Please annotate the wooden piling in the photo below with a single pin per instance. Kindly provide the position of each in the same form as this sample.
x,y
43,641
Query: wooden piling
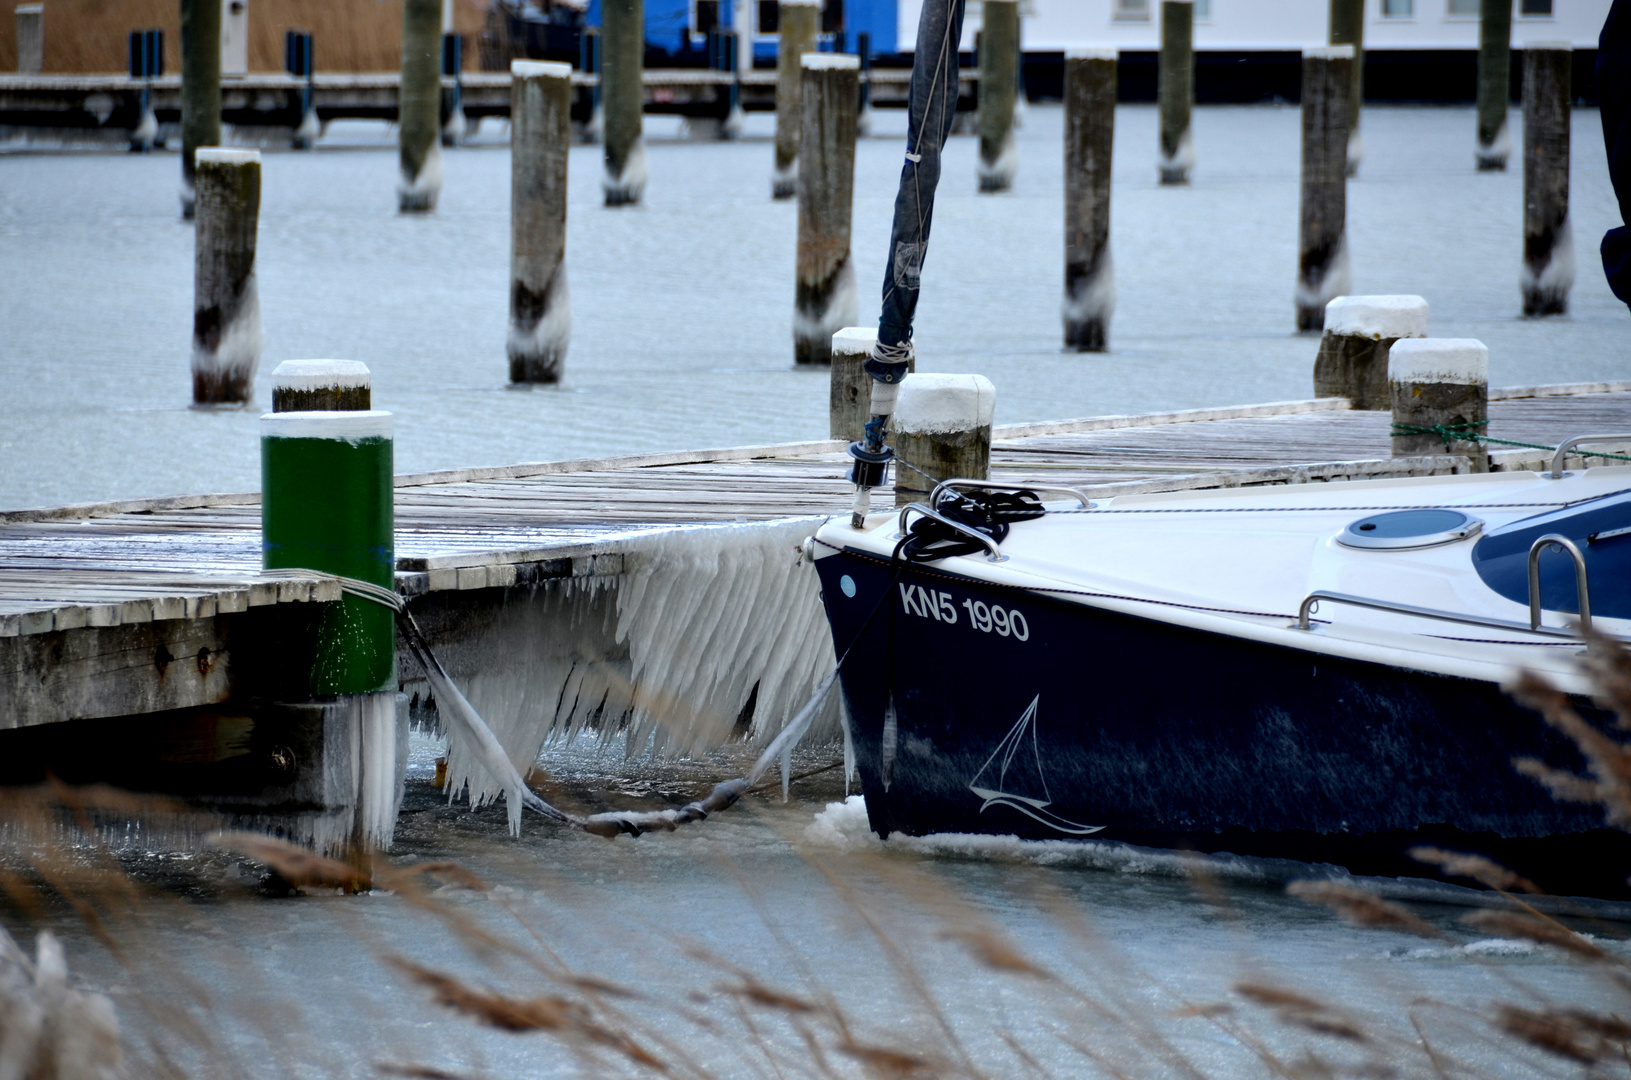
x,y
1322,261
999,87
321,386
419,108
849,396
1176,90
941,431
1347,26
1494,85
1443,384
1359,333
200,88
622,97
1548,239
226,304
30,39
824,300
797,35
1090,122
540,303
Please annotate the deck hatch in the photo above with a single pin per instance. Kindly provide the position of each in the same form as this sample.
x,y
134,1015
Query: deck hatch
x,y
1400,530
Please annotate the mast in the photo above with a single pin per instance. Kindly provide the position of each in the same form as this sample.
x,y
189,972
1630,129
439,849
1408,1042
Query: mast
x,y
931,106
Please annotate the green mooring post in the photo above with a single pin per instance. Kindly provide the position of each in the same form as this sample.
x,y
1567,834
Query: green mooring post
x,y
1494,85
200,87
327,505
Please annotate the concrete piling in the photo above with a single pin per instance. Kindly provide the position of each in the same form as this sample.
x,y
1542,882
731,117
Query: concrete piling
x,y
30,38
1494,84
419,109
1322,261
999,87
1359,333
226,304
1548,239
540,303
799,20
942,431
849,399
1176,90
622,99
321,386
825,300
1439,388
1090,121
200,88
1347,27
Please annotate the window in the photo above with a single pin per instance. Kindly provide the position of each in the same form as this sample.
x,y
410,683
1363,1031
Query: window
x,y
1203,10
1398,9
1130,11
704,17
1535,8
832,17
770,17
1464,9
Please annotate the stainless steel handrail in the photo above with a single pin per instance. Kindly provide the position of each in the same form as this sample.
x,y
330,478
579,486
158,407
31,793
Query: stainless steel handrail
x,y
1306,608
1569,444
994,485
1581,588
994,553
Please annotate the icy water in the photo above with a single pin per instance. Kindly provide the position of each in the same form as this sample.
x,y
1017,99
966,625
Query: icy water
x,y
682,308
783,940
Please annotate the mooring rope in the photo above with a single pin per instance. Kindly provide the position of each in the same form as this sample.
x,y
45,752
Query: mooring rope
x,y
1467,433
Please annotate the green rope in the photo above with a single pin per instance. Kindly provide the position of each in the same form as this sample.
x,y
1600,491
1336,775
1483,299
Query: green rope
x,y
1467,433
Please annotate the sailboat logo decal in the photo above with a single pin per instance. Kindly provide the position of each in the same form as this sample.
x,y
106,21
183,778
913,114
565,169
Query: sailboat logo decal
x,y
1012,777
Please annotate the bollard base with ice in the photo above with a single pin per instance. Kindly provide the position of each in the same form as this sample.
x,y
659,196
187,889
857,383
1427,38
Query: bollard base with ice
x,y
942,431
1440,392
1353,354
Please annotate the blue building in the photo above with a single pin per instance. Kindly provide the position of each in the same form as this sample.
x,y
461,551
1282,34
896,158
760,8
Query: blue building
x,y
678,29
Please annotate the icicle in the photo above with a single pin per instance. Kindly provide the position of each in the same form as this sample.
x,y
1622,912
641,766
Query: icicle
x,y
890,734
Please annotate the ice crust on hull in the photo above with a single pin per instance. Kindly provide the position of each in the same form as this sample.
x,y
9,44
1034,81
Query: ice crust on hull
x,y
702,620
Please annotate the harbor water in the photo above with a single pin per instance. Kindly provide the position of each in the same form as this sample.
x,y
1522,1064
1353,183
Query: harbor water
x,y
682,308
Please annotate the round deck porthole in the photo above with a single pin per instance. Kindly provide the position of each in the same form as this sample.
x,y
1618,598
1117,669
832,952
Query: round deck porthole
x,y
1401,529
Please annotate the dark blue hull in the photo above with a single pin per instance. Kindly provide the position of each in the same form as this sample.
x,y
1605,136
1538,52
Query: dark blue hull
x,y
1078,718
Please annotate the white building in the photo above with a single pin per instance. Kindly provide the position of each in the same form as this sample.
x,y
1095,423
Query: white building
x,y
1278,25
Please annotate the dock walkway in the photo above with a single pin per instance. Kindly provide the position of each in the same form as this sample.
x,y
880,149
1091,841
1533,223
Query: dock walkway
x,y
119,564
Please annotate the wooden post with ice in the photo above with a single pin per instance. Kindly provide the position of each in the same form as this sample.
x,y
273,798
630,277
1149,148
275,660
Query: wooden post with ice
x,y
824,300
850,399
622,99
540,303
1347,27
226,306
1439,387
798,20
200,88
321,386
1090,122
1176,90
1494,85
1548,241
419,107
999,86
30,38
1322,249
327,504
1359,333
942,431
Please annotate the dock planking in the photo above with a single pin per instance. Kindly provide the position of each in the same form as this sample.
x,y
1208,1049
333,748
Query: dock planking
x,y
120,564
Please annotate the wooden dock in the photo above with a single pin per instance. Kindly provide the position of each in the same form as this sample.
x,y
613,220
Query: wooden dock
x,y
126,608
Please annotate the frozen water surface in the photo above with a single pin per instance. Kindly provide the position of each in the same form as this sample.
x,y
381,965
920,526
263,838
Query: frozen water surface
x,y
682,308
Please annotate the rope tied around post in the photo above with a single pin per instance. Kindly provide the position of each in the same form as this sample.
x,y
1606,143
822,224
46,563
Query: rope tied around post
x,y
1468,433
